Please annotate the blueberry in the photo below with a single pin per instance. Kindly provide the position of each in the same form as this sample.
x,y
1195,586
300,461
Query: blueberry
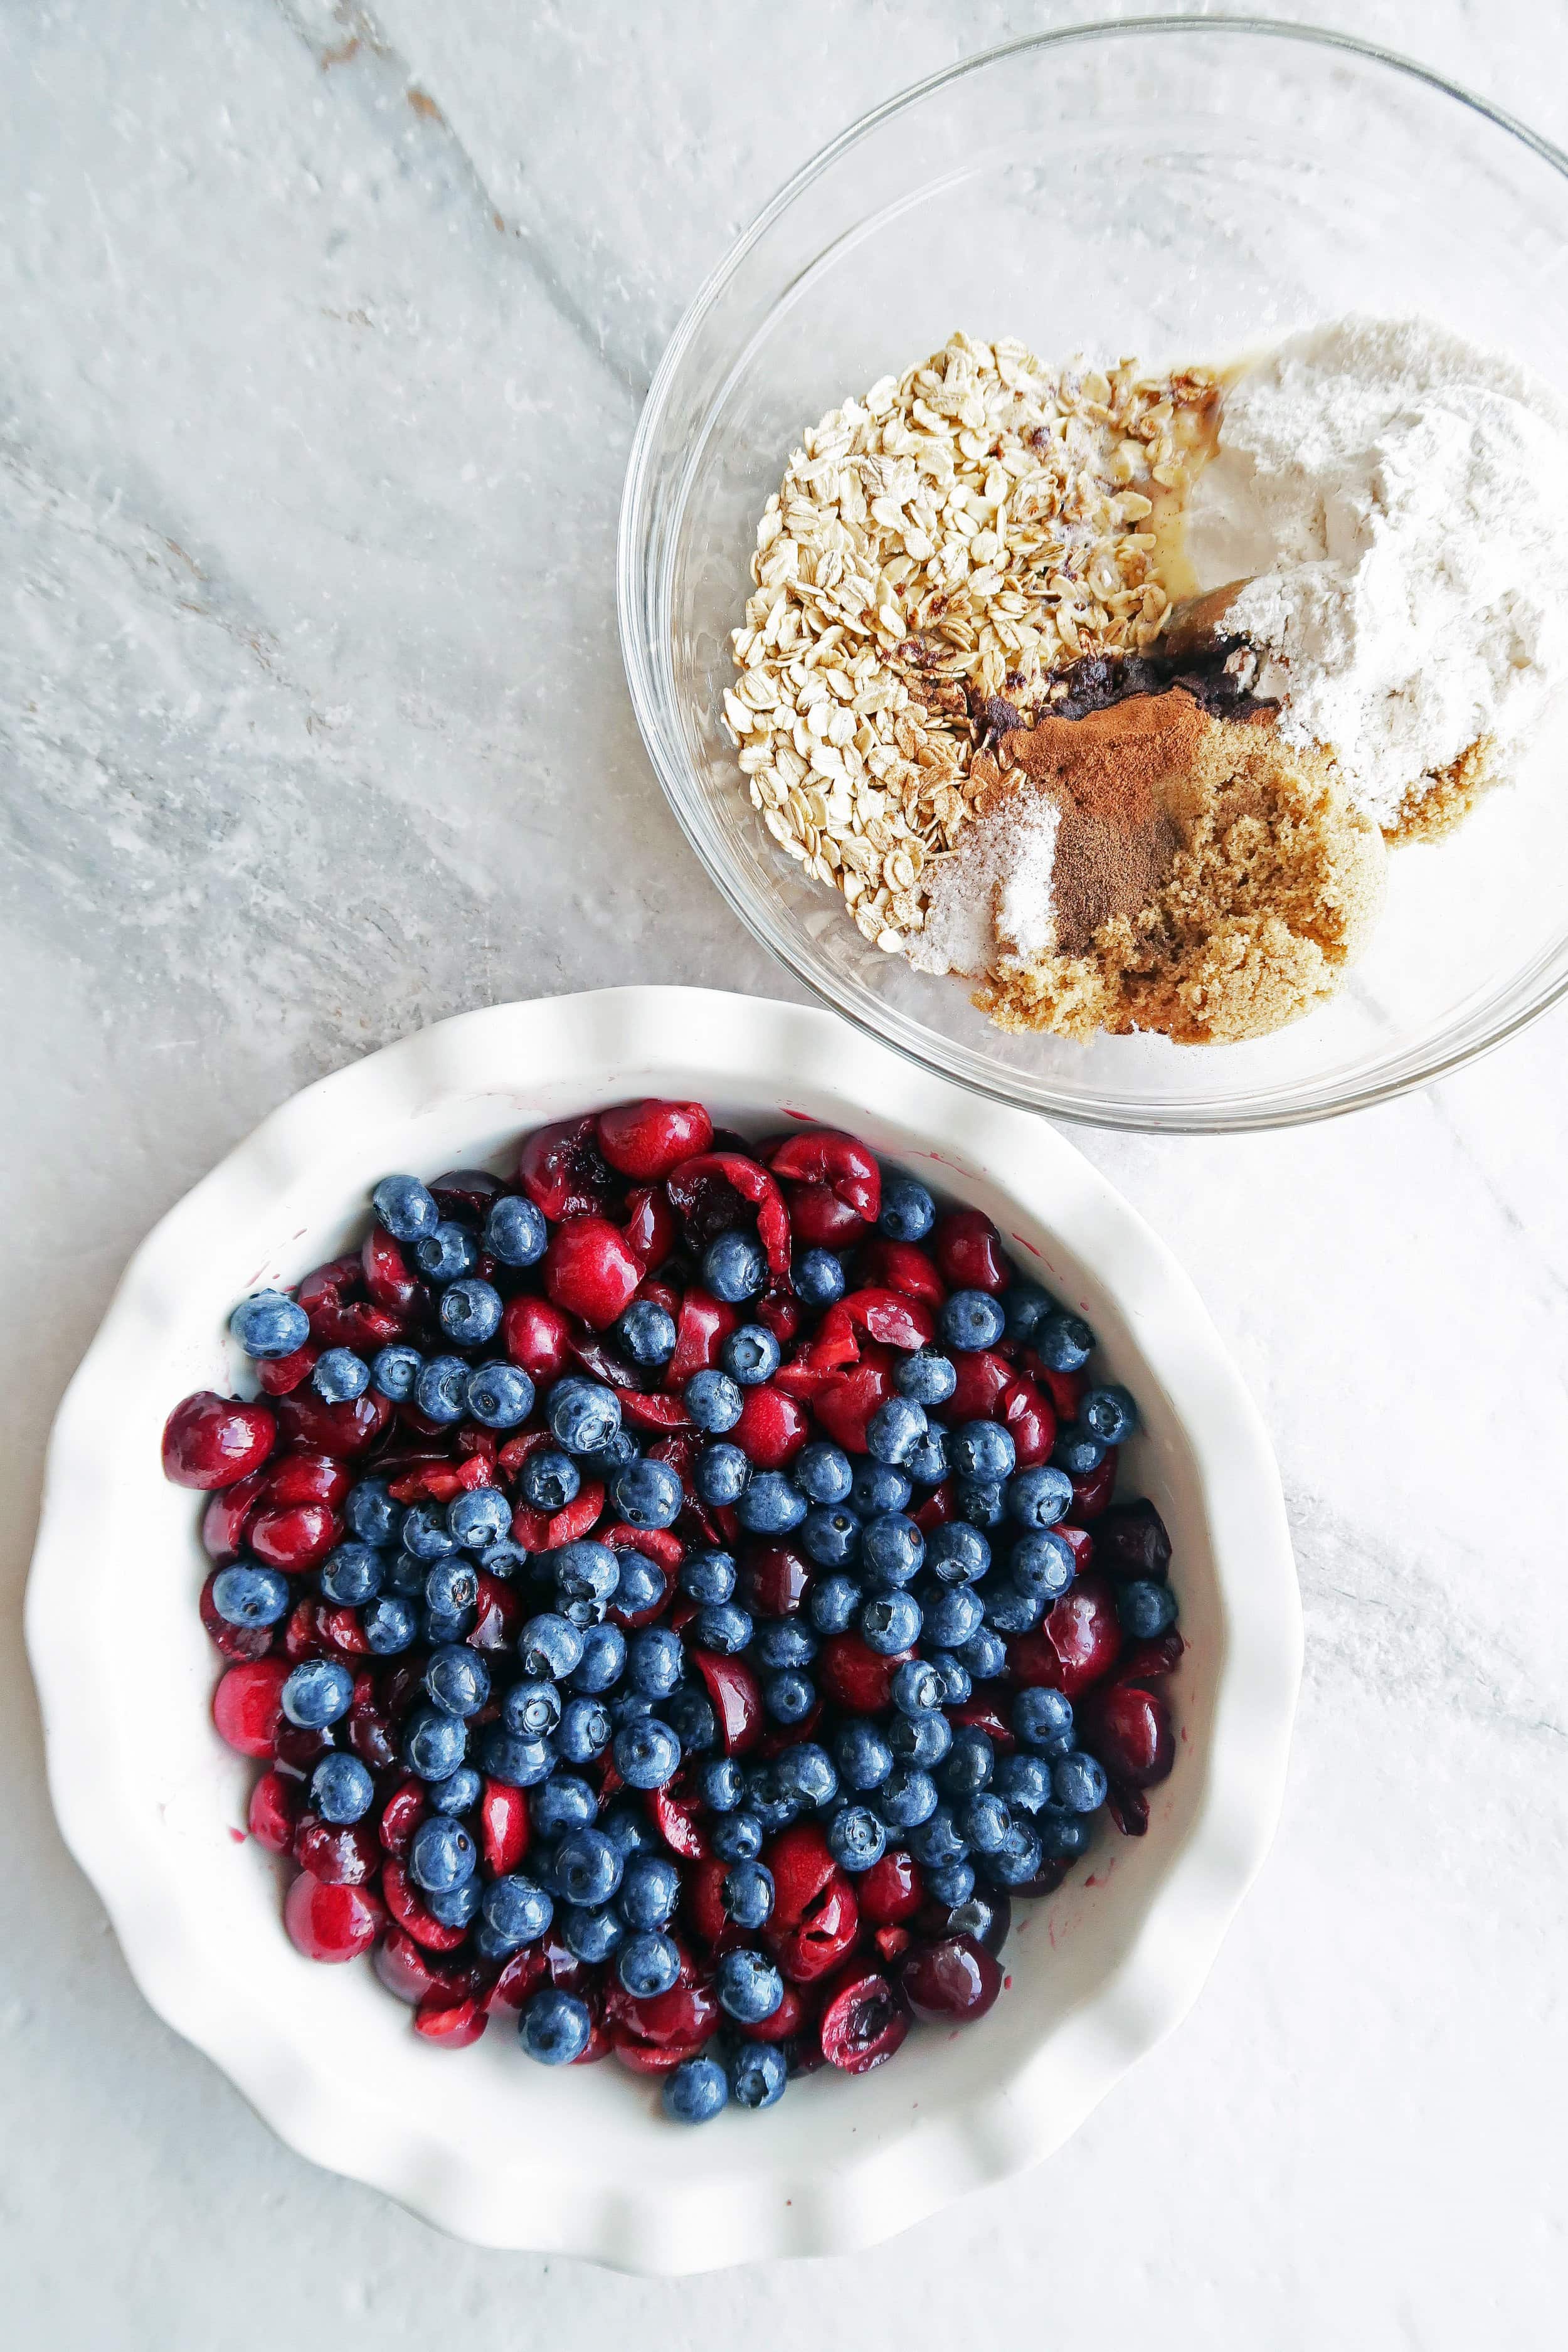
x,y
456,1906
451,1586
642,1585
425,1534
985,1654
515,1232
895,1429
953,1616
1018,1861
824,1472
1078,1782
616,1451
317,1692
441,1390
555,2027
982,1450
434,1742
247,1595
750,1354
748,1894
441,1854
722,1474
649,1890
979,1505
829,1534
936,1842
395,1373
734,1267
1063,1342
531,1708
878,1487
370,1513
957,1553
587,1866
342,1789
517,1909
389,1625
713,1400
1010,1609
1043,1564
928,1378
971,1319
1108,1414
968,1764
647,1754
818,1278
583,1414
1076,1451
1023,1303
890,1621
1044,1719
770,1506
447,1253
1023,1782
522,1763
708,1578
736,1837
1064,1835
907,1797
602,1661
789,1696
865,1758
908,1212
807,1772
550,1480
784,1641
892,1550
590,1931
583,1731
922,1739
655,1661
584,1571
917,1685
499,1396
758,2074
856,1838
459,1793
749,1987
440,1628
956,1683
470,1312
339,1375
1146,1609
268,1324
833,1603
548,1647
726,1627
951,1885
928,1466
984,1823
694,2091
565,1803
404,1207
403,1575
721,1784
646,1333
647,1495
647,1964
479,1518
628,1829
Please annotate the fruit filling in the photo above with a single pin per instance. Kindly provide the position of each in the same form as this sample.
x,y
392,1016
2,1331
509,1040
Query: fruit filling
x,y
679,1598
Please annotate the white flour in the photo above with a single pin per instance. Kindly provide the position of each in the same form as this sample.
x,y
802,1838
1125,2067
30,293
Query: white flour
x,y
992,899
1401,497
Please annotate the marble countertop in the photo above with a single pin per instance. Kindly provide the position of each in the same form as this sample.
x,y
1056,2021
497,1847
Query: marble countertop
x,y
325,334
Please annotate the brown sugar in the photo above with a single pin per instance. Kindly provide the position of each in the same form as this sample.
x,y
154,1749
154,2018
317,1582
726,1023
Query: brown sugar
x,y
1441,801
1270,887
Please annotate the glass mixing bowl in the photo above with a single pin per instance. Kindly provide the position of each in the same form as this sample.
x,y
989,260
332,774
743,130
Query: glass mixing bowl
x,y
1184,190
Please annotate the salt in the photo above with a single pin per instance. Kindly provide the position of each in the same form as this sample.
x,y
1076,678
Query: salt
x,y
991,901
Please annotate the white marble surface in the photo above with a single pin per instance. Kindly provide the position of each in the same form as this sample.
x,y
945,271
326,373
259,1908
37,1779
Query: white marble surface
x,y
316,395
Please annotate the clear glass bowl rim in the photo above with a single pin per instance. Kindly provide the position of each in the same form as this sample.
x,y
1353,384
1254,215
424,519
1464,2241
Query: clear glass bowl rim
x,y
640,660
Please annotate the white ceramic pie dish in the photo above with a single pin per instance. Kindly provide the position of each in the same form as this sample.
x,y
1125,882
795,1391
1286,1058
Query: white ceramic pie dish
x,y
483,2143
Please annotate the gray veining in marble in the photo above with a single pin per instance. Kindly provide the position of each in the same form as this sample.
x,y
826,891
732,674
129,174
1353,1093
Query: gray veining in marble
x,y
324,334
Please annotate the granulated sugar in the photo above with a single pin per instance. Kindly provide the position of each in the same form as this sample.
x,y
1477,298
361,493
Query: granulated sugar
x,y
991,900
1397,495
